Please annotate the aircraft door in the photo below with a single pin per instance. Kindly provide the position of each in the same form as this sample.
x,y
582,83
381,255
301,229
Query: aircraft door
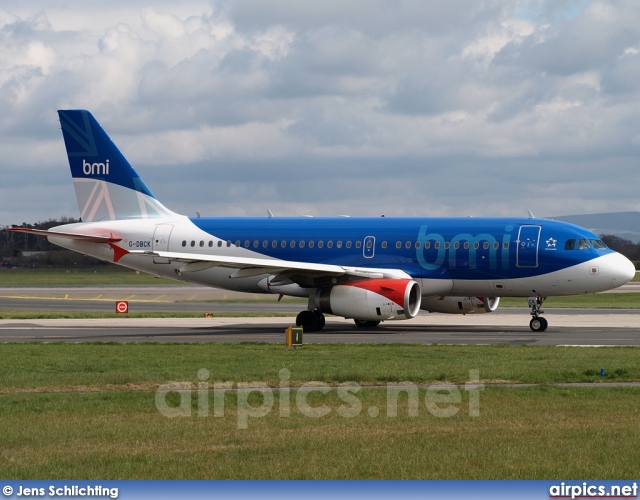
x,y
160,242
527,251
369,247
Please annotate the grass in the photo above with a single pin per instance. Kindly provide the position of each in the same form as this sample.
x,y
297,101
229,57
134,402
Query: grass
x,y
596,301
68,314
56,366
107,276
89,411
526,433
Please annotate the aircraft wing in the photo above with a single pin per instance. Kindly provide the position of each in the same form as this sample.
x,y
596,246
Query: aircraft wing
x,y
91,238
251,266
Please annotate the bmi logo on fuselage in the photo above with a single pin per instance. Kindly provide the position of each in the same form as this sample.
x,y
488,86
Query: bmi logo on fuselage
x,y
95,168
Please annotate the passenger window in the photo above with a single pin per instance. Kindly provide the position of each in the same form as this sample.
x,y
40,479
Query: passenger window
x,y
583,244
436,245
338,244
184,243
193,243
201,243
398,244
485,245
292,244
506,245
384,244
238,243
466,245
219,243
283,244
329,244
417,244
256,244
358,244
407,244
229,243
427,244
446,244
348,244
456,245
320,244
211,243
246,243
311,244
301,244
265,244
274,244
496,245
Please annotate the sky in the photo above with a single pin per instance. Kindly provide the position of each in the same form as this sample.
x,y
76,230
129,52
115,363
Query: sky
x,y
365,107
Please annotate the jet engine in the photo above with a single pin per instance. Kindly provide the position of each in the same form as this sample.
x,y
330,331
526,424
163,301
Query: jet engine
x,y
372,300
460,305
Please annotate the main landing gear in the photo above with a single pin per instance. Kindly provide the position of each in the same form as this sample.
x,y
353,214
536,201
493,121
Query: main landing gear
x,y
537,323
310,321
313,321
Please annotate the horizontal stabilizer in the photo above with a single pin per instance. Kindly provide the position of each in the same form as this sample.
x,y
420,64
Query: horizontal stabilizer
x,y
91,238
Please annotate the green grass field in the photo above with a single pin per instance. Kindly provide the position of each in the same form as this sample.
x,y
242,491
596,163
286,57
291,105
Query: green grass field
x,y
525,433
103,276
36,366
90,411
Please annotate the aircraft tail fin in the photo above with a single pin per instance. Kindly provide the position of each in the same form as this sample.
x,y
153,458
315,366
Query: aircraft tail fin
x,y
107,186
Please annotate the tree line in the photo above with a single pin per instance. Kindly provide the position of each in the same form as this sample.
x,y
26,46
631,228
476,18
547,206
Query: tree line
x,y
13,244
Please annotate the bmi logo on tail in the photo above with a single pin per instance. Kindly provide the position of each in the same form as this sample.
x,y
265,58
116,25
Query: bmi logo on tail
x,y
95,168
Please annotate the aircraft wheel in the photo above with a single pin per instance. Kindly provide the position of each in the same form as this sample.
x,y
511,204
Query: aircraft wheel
x,y
545,324
309,321
538,324
321,319
366,324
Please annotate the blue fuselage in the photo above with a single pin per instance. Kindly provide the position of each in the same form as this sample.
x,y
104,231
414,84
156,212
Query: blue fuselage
x,y
461,248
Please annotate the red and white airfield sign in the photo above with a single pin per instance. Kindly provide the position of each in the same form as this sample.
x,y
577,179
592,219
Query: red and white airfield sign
x,y
122,307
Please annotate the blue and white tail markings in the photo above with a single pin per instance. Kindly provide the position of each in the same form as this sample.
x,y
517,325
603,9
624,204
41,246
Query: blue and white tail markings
x,y
107,186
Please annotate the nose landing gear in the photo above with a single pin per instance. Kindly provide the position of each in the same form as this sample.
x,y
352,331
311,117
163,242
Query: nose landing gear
x,y
537,323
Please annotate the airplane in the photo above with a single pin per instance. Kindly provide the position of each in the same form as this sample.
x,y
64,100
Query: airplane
x,y
369,269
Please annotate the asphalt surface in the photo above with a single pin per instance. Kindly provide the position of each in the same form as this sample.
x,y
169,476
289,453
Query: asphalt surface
x,y
505,326
510,328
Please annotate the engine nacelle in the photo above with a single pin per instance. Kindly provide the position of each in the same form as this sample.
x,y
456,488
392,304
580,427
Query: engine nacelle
x,y
372,300
460,305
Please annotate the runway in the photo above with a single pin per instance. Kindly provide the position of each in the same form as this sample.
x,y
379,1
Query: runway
x,y
605,329
505,326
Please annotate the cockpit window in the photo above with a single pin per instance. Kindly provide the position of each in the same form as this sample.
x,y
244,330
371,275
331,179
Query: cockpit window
x,y
598,244
570,245
583,244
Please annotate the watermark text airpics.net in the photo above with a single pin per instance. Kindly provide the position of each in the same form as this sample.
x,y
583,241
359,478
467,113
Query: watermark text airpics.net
x,y
257,399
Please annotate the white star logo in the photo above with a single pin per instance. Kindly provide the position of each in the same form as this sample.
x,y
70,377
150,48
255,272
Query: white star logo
x,y
551,243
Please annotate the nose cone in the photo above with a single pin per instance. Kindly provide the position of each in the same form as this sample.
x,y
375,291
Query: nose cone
x,y
620,269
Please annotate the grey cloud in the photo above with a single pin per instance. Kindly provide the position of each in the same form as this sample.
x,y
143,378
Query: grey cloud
x,y
339,107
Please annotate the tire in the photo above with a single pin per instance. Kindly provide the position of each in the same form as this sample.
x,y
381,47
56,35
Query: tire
x,y
309,321
538,324
363,323
321,319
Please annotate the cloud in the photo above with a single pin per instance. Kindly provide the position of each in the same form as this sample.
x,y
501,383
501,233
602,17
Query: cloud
x,y
408,108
